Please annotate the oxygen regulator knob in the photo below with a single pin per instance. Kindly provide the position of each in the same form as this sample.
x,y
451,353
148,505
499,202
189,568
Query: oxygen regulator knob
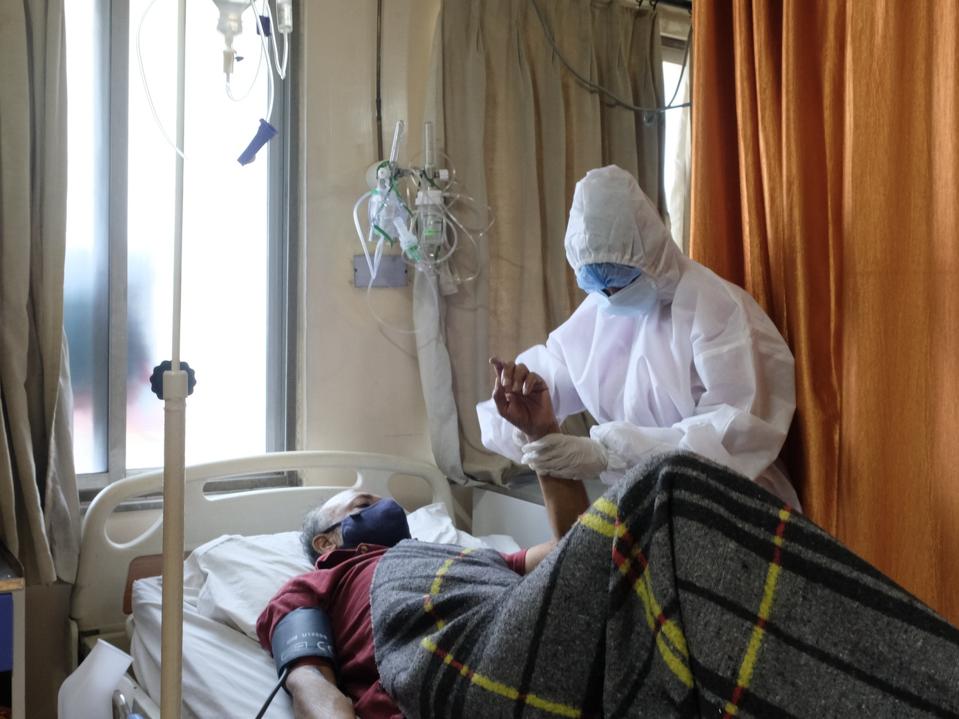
x,y
156,379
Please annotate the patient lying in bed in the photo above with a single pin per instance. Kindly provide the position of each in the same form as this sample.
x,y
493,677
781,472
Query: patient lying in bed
x,y
685,591
346,538
345,560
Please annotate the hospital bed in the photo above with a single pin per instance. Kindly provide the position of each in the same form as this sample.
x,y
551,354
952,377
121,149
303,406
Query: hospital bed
x,y
241,546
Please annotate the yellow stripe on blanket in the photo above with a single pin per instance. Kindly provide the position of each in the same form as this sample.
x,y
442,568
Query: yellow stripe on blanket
x,y
428,605
759,629
669,630
644,589
503,690
606,507
602,526
441,572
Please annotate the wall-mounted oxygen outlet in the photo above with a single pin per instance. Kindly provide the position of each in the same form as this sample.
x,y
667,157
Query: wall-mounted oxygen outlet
x,y
392,272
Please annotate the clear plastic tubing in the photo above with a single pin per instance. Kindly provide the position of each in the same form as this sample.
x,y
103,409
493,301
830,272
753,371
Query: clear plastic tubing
x,y
429,151
395,148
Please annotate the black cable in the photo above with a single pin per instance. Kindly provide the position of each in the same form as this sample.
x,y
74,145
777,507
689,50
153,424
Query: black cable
x,y
682,70
269,699
593,87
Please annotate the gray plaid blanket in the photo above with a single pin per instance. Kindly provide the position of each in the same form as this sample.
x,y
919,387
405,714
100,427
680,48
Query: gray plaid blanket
x,y
685,591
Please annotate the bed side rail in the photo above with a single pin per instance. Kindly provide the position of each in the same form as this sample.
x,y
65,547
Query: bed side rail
x,y
96,603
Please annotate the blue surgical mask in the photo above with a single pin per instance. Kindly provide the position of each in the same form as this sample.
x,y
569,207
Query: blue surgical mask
x,y
383,523
599,276
636,300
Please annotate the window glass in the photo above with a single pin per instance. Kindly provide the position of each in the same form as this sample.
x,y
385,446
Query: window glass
x,y
85,285
676,149
225,237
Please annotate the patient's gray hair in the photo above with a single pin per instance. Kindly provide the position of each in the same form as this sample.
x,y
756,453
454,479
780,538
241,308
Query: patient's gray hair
x,y
317,521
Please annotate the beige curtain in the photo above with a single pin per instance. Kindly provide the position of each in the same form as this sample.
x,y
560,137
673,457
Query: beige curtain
x,y
825,181
520,131
39,507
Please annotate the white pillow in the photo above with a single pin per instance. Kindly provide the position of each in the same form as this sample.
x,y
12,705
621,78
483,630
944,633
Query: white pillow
x,y
234,577
238,575
433,523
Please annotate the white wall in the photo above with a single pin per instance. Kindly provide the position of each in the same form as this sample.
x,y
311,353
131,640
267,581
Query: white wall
x,y
360,383
495,513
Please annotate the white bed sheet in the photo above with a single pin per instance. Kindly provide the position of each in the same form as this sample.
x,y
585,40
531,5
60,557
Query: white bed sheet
x,y
227,583
225,672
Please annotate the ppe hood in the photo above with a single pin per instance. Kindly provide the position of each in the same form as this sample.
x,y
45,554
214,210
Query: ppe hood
x,y
612,220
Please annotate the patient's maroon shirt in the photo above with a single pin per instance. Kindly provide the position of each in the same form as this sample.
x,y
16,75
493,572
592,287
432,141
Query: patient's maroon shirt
x,y
340,585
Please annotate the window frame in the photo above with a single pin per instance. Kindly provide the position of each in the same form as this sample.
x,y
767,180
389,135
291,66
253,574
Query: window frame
x,y
111,97
674,24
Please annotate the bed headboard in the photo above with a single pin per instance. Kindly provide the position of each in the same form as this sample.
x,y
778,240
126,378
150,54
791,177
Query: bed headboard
x,y
96,604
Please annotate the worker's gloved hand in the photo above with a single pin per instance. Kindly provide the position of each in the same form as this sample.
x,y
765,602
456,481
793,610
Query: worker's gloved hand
x,y
520,438
566,456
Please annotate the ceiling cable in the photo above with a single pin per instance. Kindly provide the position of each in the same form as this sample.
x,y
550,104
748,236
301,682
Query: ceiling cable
x,y
614,99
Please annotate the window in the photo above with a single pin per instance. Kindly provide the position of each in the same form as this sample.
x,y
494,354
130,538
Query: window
x,y
676,149
120,218
674,26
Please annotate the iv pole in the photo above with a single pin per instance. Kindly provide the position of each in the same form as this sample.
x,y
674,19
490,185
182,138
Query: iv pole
x,y
174,430
175,390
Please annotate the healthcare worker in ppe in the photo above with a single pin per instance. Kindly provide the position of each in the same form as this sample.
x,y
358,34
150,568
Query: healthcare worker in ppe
x,y
663,353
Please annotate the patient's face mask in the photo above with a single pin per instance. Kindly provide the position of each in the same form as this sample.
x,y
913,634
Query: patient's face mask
x,y
383,523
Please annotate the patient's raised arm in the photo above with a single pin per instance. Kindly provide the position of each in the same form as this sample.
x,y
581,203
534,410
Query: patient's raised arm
x,y
522,398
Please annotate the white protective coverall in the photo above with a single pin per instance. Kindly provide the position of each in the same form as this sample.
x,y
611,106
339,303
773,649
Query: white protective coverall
x,y
701,368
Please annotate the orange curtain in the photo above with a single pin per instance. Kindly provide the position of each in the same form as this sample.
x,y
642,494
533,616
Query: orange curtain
x,y
826,182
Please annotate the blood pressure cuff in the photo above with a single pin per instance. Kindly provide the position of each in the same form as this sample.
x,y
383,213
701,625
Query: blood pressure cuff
x,y
304,632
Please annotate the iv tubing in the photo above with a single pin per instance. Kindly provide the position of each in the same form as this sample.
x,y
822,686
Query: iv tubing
x,y
146,85
268,12
428,149
174,430
359,232
256,76
395,147
265,47
280,66
400,330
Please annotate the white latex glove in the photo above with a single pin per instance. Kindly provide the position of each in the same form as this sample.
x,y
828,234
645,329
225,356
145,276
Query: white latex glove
x,y
520,438
566,456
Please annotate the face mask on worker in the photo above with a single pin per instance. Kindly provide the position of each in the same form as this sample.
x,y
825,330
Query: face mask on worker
x,y
602,276
383,523
632,297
